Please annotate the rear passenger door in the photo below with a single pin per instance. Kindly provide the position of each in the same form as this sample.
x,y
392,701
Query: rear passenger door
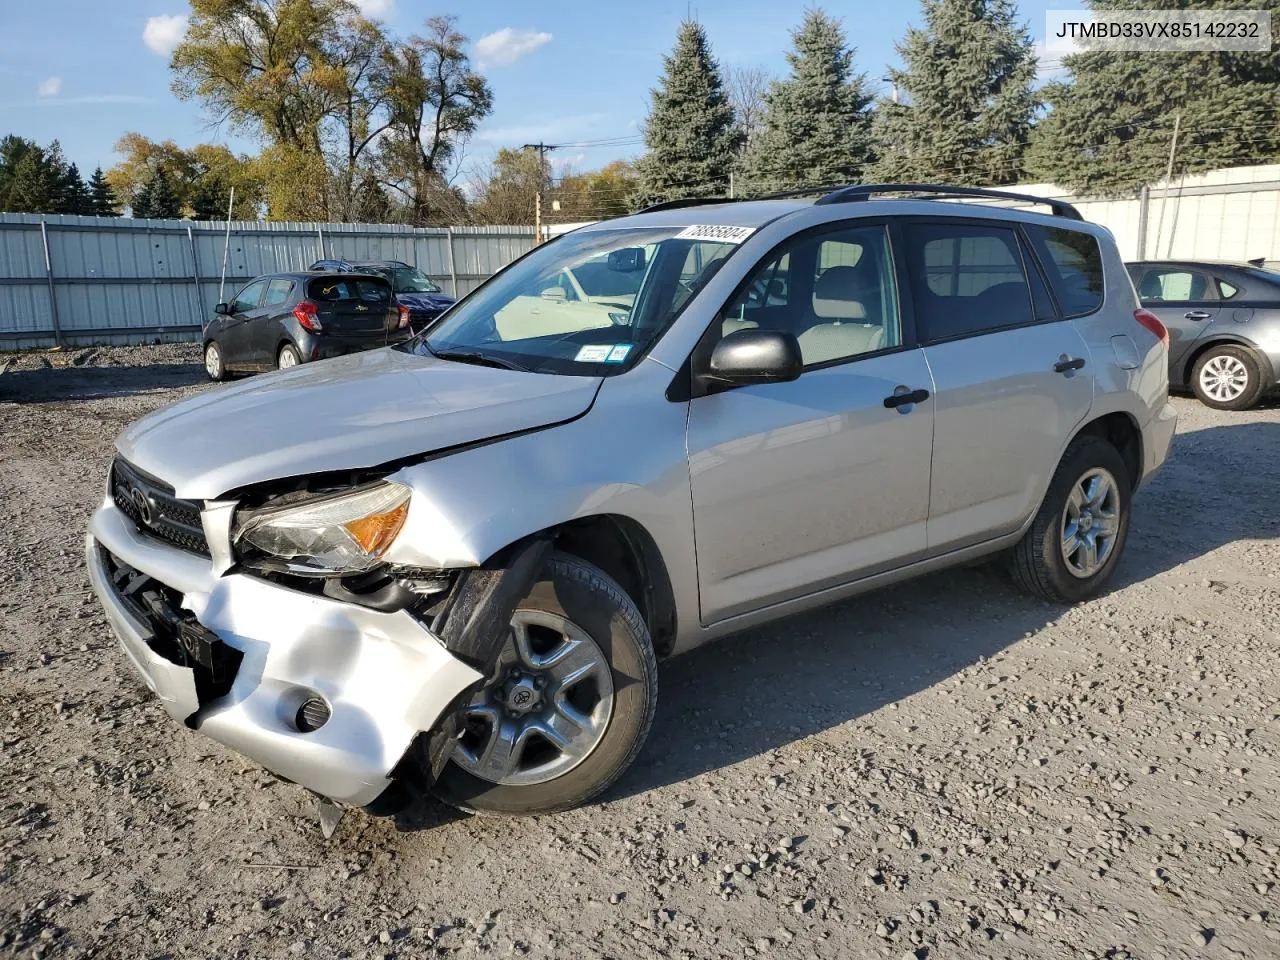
x,y
804,485
1186,302
1012,380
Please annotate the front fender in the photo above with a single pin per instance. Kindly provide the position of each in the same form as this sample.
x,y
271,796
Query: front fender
x,y
625,457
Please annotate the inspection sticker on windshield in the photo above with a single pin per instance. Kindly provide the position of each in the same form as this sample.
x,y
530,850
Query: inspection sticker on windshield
x,y
594,353
618,353
716,233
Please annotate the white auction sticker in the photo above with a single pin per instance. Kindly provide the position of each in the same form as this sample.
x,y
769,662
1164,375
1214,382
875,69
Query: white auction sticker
x,y
715,233
594,353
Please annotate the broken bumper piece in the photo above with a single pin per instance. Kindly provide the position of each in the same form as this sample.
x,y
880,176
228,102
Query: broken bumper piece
x,y
327,694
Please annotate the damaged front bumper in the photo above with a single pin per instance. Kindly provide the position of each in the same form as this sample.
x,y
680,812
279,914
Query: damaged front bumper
x,y
254,665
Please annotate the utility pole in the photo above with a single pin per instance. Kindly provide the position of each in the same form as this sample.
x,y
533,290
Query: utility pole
x,y
1168,178
542,149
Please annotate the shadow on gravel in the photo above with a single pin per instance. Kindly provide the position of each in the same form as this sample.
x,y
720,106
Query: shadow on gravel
x,y
760,690
60,384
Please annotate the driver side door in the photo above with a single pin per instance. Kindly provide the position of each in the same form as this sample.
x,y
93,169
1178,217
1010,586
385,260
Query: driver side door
x,y
806,485
236,325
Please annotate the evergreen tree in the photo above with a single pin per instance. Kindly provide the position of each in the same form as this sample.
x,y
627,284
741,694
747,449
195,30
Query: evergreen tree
x,y
102,199
969,102
157,198
72,194
210,198
817,122
33,184
1110,129
690,132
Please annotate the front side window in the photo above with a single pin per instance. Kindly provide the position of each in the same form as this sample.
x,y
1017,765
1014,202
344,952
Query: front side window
x,y
966,279
531,317
1173,283
1074,264
833,291
247,299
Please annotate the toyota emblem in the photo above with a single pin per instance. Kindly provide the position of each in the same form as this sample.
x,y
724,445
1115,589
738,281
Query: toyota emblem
x,y
144,506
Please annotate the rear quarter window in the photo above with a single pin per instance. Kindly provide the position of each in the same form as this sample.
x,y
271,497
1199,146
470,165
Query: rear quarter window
x,y
336,289
1074,264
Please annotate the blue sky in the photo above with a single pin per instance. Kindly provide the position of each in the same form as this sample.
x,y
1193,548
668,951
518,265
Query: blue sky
x,y
567,71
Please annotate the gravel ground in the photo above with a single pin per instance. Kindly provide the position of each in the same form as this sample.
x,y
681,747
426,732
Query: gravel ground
x,y
943,769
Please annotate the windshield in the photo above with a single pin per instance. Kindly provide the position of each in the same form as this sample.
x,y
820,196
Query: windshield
x,y
540,315
407,279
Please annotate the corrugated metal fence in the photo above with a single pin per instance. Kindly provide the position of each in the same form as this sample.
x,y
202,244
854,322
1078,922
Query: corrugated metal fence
x,y
81,280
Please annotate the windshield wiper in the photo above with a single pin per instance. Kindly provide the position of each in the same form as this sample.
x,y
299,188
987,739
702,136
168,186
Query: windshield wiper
x,y
479,359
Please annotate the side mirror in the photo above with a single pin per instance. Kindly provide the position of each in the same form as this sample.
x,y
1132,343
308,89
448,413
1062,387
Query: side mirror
x,y
222,308
553,293
627,259
754,356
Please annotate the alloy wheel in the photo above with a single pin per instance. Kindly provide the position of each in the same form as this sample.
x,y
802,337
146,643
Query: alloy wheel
x,y
1090,522
1224,378
213,362
545,707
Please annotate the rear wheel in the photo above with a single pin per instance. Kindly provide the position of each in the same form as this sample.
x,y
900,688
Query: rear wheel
x,y
214,365
1227,377
567,706
288,357
1077,535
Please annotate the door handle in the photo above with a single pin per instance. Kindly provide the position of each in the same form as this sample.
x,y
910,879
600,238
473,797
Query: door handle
x,y
1197,315
1067,364
903,396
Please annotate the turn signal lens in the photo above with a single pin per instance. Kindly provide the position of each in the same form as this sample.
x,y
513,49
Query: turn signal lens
x,y
404,316
375,532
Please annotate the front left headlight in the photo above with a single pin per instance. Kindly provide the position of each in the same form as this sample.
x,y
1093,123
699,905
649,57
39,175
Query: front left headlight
x,y
341,534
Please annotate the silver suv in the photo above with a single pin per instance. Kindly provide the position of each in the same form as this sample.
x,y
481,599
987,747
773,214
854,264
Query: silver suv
x,y
453,564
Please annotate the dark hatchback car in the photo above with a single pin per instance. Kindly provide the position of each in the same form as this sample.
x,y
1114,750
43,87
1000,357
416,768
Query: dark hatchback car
x,y
1224,326
413,288
284,319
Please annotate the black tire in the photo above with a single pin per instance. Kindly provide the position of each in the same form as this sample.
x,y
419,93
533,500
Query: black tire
x,y
589,598
1036,563
1254,386
215,364
288,350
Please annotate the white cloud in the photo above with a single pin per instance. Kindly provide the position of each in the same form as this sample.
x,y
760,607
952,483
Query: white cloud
x,y
163,33
508,45
50,88
376,9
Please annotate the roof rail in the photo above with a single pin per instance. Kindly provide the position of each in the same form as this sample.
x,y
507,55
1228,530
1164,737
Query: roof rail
x,y
685,202
864,191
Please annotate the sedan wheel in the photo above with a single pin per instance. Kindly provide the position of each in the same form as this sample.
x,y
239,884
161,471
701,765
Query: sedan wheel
x,y
1227,377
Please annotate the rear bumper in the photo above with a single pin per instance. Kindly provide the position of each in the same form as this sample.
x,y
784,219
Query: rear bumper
x,y
383,676
326,346
1157,438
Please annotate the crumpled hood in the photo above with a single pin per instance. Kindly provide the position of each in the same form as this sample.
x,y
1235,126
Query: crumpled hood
x,y
424,301
349,413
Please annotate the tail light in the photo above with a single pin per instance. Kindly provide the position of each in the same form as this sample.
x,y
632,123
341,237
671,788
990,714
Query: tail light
x,y
1152,323
305,312
404,317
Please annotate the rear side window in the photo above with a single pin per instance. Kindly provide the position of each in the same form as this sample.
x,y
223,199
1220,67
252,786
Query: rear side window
x,y
1074,262
1173,283
336,289
277,292
966,279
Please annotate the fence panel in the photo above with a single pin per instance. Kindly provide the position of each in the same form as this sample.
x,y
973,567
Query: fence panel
x,y
130,281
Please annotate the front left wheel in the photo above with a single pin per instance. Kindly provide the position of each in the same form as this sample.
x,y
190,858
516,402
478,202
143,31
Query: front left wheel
x,y
566,708
214,364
